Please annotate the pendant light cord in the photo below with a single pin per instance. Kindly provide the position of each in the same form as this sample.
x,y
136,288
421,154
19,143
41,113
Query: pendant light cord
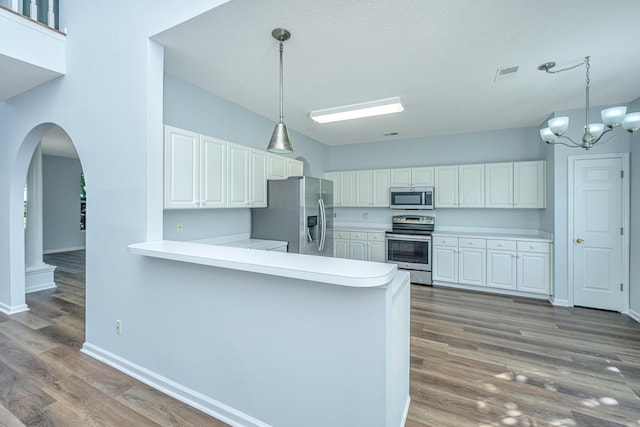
x,y
586,111
281,83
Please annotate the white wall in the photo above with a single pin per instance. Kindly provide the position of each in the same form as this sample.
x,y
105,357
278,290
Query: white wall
x,y
61,204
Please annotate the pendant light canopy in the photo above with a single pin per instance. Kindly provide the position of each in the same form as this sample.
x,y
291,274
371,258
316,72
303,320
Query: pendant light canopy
x,y
280,139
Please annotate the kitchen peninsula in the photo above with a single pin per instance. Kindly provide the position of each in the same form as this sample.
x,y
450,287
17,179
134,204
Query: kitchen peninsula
x,y
296,339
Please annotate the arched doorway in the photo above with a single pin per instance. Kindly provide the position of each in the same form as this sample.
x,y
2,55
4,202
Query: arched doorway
x,y
55,213
53,139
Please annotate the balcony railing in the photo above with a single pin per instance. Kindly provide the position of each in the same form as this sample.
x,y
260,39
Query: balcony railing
x,y
43,11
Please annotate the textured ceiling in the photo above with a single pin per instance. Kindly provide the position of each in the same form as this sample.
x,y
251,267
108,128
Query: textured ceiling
x,y
440,56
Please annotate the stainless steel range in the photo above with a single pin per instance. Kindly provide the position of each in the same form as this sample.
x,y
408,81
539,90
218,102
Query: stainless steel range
x,y
408,244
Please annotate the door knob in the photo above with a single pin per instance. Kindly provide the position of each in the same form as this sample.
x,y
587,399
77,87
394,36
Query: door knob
x,y
579,240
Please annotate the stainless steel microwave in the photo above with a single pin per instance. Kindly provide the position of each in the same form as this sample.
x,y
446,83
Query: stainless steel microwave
x,y
411,197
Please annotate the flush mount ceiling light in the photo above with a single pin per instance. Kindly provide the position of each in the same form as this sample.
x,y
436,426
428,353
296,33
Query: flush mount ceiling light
x,y
593,132
357,111
280,139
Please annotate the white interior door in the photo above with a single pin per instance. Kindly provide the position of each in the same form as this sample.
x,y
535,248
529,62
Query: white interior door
x,y
598,267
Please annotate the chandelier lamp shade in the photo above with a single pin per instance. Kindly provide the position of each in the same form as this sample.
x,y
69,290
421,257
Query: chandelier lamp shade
x,y
612,118
280,142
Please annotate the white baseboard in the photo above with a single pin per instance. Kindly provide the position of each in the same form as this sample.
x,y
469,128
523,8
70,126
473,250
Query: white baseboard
x,y
55,251
634,315
40,287
560,302
406,411
39,277
9,310
192,398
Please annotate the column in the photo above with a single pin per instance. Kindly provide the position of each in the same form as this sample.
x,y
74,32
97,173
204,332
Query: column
x,y
39,276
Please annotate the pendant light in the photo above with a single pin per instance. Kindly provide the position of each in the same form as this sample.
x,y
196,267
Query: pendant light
x,y
280,139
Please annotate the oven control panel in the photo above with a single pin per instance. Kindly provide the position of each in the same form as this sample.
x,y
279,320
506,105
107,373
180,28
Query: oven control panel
x,y
413,219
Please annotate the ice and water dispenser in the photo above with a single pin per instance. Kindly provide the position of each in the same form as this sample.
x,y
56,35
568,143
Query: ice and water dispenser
x,y
312,228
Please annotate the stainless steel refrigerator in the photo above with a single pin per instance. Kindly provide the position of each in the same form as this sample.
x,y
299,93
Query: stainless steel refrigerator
x,y
300,211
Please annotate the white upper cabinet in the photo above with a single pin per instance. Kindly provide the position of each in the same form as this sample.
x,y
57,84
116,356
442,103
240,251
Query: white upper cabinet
x,y
276,166
280,167
380,190
238,176
471,186
335,178
294,167
195,170
257,178
412,177
213,167
446,186
401,177
498,185
491,185
422,177
347,188
247,177
364,187
182,169
529,184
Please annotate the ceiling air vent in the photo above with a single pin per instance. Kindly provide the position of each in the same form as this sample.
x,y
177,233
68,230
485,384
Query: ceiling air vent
x,y
505,71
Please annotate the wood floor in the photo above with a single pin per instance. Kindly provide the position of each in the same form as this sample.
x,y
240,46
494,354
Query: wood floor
x,y
476,360
486,360
46,381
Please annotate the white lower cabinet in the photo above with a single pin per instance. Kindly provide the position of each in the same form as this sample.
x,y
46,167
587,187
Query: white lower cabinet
x,y
472,255
459,260
341,244
533,267
511,265
360,245
445,259
501,264
358,249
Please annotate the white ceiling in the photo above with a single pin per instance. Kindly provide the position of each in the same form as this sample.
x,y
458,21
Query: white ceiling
x,y
440,56
17,77
56,142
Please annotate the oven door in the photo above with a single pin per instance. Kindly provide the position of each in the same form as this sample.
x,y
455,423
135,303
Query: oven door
x,y
409,251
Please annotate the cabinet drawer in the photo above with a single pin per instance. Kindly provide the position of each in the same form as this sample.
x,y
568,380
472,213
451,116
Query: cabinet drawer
x,y
539,247
376,237
445,241
337,234
465,242
502,245
358,235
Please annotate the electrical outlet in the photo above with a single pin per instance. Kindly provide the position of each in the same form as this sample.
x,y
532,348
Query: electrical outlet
x,y
365,215
118,327
179,227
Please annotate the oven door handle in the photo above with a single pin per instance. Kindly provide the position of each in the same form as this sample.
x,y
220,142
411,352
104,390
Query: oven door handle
x,y
414,237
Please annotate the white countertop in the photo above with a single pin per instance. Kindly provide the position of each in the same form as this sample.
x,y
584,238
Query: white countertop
x,y
336,271
501,235
372,228
243,241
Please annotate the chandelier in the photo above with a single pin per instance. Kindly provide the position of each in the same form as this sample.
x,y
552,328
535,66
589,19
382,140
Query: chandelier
x,y
593,132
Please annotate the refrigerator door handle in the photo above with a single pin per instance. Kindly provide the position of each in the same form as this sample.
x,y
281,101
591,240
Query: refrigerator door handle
x,y
323,225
